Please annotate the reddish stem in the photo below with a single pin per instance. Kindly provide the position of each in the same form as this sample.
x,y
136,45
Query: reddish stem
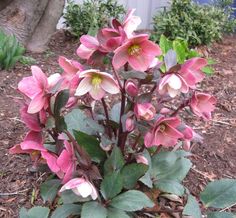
x,y
107,118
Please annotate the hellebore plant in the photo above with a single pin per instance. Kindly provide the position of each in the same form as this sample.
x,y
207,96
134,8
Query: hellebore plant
x,y
109,132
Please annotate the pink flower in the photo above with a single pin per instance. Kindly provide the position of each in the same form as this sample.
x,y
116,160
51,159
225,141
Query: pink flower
x,y
89,46
32,144
110,39
145,111
70,67
81,187
131,23
191,71
51,160
163,133
37,87
138,51
96,83
203,104
141,159
66,161
131,88
32,121
172,84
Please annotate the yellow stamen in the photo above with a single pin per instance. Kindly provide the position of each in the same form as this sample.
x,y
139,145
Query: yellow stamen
x,y
96,80
134,50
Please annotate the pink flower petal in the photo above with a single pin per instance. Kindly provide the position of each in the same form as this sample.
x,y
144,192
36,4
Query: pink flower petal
x,y
37,103
140,63
97,93
121,56
73,183
51,161
89,41
33,141
150,48
31,120
110,86
40,77
29,87
84,87
84,52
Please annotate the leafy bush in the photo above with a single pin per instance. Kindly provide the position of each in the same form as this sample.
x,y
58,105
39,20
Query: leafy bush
x,y
197,24
10,51
91,15
110,160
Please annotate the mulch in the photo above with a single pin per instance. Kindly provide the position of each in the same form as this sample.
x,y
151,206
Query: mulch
x,y
214,158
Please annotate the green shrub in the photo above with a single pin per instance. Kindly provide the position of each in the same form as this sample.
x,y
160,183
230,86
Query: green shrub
x,y
91,15
10,51
197,24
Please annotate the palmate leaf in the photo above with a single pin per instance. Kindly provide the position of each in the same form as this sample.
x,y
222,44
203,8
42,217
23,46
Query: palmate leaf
x,y
66,210
49,189
220,193
93,209
111,185
91,145
131,201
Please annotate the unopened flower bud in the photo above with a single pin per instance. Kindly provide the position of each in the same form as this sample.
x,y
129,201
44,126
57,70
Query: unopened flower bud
x,y
145,111
131,88
141,159
129,124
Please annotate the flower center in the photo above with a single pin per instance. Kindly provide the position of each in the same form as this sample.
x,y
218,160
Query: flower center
x,y
134,50
96,80
162,127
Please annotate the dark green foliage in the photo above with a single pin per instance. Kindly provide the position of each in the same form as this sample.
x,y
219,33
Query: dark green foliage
x,y
197,24
91,15
10,51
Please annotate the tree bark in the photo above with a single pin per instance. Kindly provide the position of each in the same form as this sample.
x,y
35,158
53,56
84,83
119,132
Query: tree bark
x,y
31,21
4,3
46,26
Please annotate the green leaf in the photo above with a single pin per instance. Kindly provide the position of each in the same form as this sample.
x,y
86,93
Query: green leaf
x,y
116,213
111,185
165,44
220,215
66,210
93,208
23,213
208,70
48,190
170,186
115,162
69,197
168,165
60,124
35,212
131,201
180,51
132,173
219,194
146,179
77,120
91,145
60,101
192,208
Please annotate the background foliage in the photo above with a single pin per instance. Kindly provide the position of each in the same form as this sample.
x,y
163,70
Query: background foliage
x,y
197,24
10,51
91,15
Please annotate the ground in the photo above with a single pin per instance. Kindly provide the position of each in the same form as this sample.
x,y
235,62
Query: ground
x,y
215,158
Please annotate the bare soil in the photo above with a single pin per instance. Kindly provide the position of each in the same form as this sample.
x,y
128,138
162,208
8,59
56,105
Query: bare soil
x,y
215,158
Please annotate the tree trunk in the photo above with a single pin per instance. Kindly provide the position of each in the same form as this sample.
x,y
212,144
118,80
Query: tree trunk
x,y
46,27
31,21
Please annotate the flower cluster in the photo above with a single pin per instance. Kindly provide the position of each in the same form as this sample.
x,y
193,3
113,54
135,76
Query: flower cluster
x,y
140,118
